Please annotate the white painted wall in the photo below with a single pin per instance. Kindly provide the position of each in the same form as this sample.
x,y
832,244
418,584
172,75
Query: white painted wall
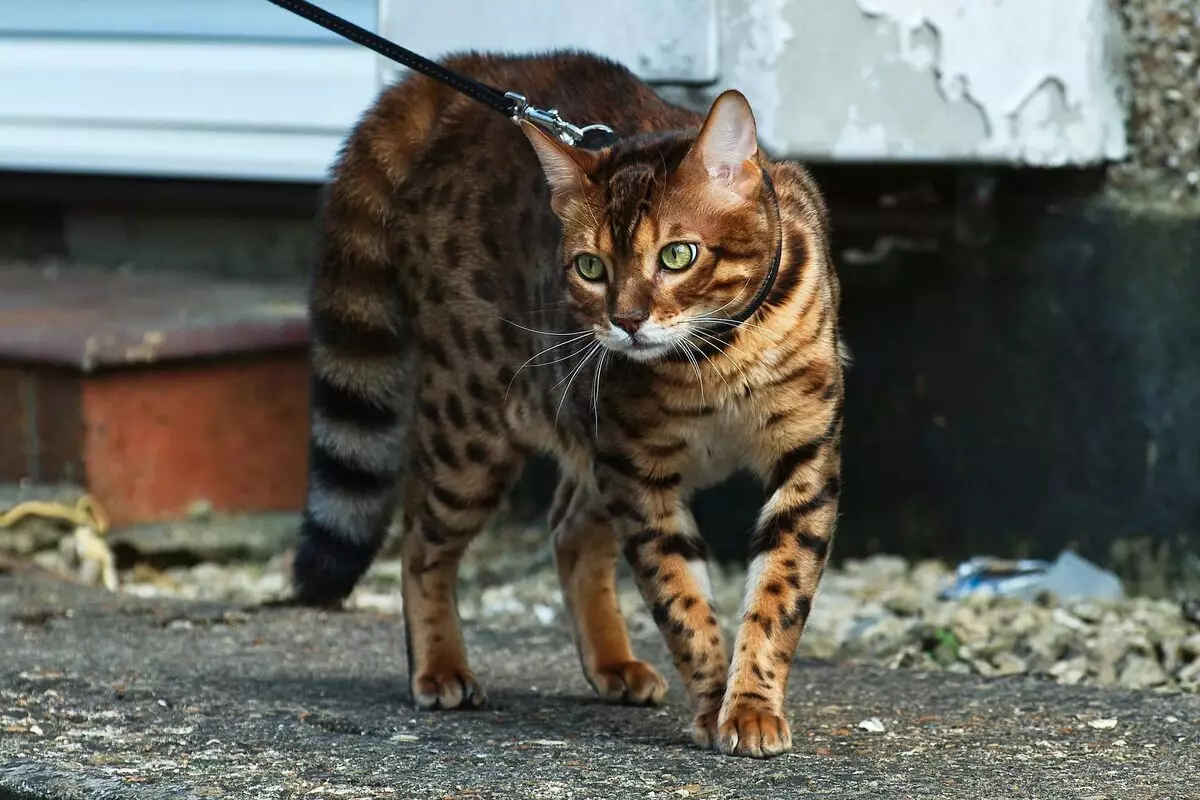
x,y
1033,82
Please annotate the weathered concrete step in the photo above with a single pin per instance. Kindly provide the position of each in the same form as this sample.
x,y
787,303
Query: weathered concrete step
x,y
157,392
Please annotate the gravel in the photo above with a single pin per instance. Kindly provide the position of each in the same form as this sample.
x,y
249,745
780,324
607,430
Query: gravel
x,y
1163,64
882,611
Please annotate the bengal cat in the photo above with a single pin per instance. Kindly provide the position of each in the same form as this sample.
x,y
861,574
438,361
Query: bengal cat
x,y
484,291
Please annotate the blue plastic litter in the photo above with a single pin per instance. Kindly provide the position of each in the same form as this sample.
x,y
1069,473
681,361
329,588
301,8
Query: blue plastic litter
x,y
987,576
1069,576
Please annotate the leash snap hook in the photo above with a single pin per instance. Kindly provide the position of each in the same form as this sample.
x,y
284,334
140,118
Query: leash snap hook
x,y
553,121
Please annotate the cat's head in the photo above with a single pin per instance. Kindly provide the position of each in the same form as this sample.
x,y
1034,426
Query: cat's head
x,y
665,236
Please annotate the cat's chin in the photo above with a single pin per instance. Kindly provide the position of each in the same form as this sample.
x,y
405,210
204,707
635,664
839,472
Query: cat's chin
x,y
641,352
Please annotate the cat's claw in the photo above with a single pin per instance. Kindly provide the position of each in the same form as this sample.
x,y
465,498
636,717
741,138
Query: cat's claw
x,y
448,690
633,683
754,733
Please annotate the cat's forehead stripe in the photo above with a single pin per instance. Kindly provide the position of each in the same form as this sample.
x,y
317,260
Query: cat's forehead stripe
x,y
629,192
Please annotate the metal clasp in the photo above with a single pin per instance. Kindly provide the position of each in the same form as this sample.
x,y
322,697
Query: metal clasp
x,y
551,120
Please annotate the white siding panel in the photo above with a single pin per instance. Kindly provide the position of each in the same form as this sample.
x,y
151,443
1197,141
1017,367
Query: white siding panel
x,y
671,41
236,19
211,85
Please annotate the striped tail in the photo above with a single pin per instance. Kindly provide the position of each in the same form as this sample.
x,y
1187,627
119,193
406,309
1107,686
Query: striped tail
x,y
361,399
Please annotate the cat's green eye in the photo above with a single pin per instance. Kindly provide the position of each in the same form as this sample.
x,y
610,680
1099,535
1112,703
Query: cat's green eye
x,y
678,255
589,266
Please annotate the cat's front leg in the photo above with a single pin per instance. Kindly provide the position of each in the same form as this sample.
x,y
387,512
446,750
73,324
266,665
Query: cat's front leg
x,y
669,562
787,556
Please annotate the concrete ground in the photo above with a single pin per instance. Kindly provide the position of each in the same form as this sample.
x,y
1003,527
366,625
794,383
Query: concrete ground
x,y
106,696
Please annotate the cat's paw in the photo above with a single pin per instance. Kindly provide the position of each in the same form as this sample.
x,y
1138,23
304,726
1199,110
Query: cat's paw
x,y
447,690
754,733
634,683
704,729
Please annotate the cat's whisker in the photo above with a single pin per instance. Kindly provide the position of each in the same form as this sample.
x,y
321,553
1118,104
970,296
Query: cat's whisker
x,y
542,353
695,367
736,297
729,323
721,345
712,363
543,333
596,393
571,378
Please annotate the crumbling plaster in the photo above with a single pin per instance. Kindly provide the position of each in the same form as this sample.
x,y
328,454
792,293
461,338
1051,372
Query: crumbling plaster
x,y
1010,81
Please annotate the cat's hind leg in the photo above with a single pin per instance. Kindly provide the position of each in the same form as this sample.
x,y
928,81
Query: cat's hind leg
x,y
585,553
458,477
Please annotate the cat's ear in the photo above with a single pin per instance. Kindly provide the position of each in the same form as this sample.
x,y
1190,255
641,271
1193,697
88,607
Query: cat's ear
x,y
566,168
727,145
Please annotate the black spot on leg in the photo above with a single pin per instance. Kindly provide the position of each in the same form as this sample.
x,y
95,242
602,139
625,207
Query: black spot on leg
x,y
689,603
476,452
430,412
508,335
799,613
754,697
476,389
436,351
773,588
483,346
459,334
443,451
454,412
691,548
818,545
678,628
483,419
793,460
761,621
484,282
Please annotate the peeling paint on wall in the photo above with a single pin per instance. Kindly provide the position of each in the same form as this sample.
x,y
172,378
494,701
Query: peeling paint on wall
x,y
762,34
1037,70
1034,82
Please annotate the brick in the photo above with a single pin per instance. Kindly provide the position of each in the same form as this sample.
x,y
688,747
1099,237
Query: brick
x,y
233,434
156,392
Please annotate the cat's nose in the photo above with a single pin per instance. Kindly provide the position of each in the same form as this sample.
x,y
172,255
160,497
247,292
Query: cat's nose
x,y
630,321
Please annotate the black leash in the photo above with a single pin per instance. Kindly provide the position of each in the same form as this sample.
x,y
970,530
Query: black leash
x,y
510,104
514,106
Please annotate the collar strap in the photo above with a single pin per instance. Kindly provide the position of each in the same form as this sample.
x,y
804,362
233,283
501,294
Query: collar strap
x,y
768,283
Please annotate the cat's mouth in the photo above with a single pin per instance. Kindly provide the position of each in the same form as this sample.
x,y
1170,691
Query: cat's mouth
x,y
640,351
649,343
